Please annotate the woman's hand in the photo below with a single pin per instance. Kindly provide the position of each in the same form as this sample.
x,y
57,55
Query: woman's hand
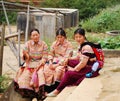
x,y
70,68
50,58
42,62
53,66
66,61
25,56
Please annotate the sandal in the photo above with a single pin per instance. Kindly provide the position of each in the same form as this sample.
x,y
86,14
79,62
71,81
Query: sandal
x,y
51,95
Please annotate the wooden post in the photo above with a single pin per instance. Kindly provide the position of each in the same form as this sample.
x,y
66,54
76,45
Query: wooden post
x,y
2,47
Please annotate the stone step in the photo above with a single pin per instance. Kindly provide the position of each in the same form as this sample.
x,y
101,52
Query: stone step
x,y
11,95
63,95
49,99
87,90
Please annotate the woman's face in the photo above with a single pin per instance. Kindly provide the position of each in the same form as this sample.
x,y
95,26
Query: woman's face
x,y
35,36
60,38
79,38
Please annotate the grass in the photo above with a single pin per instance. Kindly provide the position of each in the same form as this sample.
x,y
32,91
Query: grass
x,y
4,83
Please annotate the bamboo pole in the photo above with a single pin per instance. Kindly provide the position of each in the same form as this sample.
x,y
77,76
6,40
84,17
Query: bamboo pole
x,y
11,43
12,35
11,67
6,17
27,25
19,62
2,47
10,32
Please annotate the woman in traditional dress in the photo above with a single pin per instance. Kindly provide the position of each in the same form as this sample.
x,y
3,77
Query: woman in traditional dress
x,y
77,66
29,79
60,49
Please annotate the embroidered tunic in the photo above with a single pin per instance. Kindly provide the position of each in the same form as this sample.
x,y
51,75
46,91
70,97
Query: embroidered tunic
x,y
23,78
36,52
58,53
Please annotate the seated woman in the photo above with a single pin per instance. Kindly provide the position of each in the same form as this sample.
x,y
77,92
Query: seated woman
x,y
34,54
53,70
77,66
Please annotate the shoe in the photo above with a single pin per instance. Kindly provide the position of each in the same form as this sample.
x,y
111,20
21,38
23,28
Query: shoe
x,y
51,94
88,75
34,99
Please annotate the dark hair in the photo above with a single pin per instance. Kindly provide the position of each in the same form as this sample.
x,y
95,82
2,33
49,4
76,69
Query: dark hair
x,y
80,31
61,32
34,30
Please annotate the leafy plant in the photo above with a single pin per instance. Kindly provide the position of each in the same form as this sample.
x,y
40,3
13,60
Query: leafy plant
x,y
111,42
4,82
108,19
12,16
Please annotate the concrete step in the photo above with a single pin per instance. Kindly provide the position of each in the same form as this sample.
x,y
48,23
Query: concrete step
x,y
88,90
63,95
11,95
49,99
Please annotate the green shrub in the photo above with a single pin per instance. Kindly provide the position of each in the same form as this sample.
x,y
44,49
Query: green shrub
x,y
12,16
4,82
108,19
87,8
111,42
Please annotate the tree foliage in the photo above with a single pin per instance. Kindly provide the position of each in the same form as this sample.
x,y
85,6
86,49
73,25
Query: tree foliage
x,y
108,19
87,8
